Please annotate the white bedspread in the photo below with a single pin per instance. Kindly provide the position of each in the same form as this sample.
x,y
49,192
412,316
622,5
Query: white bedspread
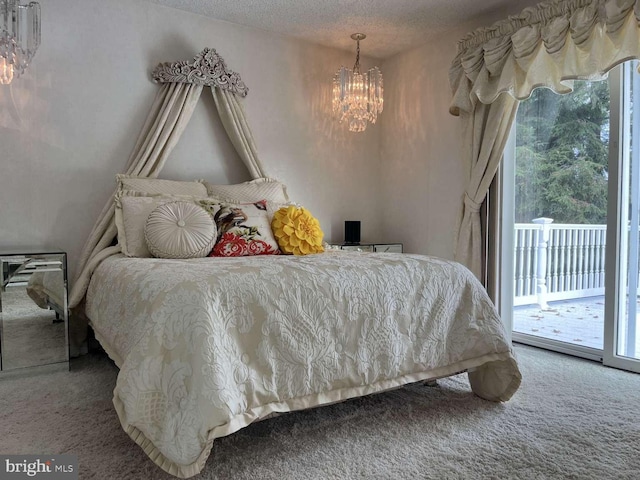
x,y
207,346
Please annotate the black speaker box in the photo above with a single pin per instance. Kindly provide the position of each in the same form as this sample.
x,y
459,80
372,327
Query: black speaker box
x,y
352,232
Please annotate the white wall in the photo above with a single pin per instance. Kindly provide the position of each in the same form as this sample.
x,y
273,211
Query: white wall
x,y
423,176
68,126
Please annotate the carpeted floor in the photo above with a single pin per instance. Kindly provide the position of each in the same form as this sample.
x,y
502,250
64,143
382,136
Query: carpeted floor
x,y
571,419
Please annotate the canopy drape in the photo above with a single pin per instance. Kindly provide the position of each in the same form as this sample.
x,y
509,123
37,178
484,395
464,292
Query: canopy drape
x,y
235,124
548,45
181,87
170,113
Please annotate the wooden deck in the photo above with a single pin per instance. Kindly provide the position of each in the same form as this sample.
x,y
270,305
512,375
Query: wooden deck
x,y
579,321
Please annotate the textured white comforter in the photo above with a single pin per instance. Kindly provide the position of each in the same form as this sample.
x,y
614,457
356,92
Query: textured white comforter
x,y
207,346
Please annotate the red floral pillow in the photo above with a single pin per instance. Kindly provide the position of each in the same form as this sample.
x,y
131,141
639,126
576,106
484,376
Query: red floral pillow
x,y
244,229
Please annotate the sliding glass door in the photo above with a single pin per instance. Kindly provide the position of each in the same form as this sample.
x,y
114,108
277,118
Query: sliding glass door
x,y
622,335
570,221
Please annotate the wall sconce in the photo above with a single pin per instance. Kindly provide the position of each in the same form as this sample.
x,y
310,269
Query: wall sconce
x,y
19,37
357,97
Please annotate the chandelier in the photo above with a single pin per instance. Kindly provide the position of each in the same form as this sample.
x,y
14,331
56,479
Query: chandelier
x,y
357,97
19,37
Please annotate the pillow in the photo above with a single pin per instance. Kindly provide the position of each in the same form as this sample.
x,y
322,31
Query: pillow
x,y
243,229
180,230
297,231
132,211
196,188
250,192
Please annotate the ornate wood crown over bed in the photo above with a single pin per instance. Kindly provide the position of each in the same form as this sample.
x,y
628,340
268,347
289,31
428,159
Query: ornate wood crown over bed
x,y
207,69
207,346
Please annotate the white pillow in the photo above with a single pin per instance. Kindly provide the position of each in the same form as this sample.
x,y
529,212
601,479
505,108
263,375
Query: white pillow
x,y
180,230
248,192
132,211
158,186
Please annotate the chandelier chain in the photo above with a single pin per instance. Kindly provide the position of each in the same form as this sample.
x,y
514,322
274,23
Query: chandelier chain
x,y
356,66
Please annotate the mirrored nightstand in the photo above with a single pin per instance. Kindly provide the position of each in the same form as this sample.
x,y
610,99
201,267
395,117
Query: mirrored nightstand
x,y
33,310
368,247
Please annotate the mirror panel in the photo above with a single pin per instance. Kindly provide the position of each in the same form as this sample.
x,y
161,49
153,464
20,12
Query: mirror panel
x,y
33,310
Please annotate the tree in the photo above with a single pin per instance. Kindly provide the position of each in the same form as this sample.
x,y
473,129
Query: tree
x,y
561,155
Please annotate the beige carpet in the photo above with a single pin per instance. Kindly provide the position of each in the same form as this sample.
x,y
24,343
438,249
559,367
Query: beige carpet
x,y
571,419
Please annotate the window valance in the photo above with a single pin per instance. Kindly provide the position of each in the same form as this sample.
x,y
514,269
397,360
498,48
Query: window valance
x,y
548,45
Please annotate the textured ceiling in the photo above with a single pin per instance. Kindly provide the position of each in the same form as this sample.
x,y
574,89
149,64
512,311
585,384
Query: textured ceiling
x,y
391,26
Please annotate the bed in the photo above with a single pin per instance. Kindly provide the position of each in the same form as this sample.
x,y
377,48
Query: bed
x,y
207,346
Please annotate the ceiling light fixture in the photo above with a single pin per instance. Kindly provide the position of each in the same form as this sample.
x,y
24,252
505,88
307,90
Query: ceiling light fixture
x,y
357,97
19,37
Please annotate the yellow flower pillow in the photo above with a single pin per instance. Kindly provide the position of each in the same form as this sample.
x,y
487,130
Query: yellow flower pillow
x,y
297,231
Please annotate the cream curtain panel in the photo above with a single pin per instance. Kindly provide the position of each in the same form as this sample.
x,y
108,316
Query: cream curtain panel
x,y
235,124
182,84
486,130
548,45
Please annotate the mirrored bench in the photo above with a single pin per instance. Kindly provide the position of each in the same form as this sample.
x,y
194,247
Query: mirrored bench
x,y
34,317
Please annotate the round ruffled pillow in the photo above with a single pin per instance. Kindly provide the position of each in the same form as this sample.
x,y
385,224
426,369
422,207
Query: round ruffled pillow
x,y
297,231
180,230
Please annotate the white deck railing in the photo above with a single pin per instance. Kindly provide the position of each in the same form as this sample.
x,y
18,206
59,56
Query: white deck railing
x,y
558,261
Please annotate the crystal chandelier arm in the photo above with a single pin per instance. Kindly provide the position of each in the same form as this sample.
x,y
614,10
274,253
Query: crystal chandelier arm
x,y
19,37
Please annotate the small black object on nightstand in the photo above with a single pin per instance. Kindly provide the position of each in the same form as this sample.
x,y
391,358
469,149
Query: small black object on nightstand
x,y
352,232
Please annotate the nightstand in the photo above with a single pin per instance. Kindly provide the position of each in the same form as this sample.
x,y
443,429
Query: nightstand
x,y
368,247
34,314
